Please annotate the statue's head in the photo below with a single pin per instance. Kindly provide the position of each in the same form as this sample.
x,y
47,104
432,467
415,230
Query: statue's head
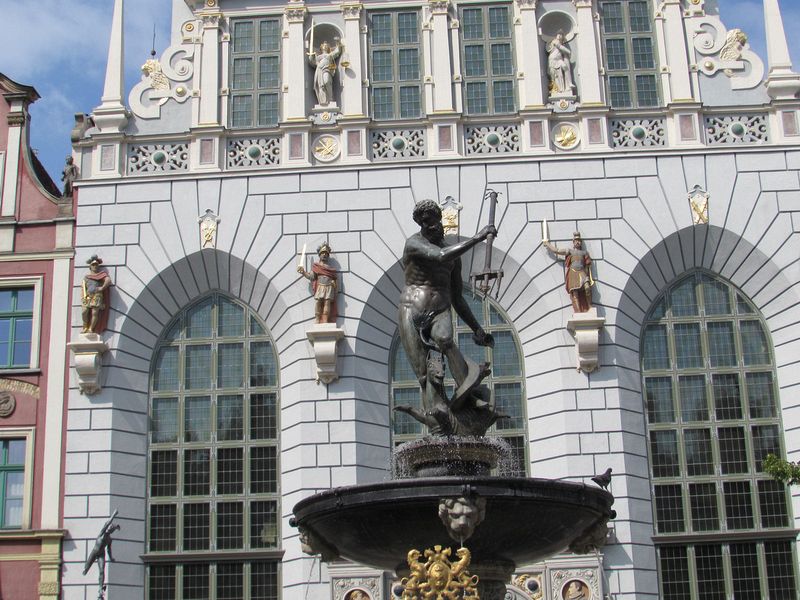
x,y
70,160
324,252
428,215
325,47
577,243
462,515
94,263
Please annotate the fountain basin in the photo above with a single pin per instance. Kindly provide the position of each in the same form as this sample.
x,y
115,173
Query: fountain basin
x,y
527,519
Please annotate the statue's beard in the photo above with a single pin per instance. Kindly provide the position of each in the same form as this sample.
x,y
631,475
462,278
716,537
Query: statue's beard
x,y
435,235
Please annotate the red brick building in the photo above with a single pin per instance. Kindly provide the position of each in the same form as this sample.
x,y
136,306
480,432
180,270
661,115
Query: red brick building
x,y
36,239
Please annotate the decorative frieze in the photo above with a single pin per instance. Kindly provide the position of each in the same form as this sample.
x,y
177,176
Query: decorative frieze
x,y
246,153
391,144
736,129
352,11
492,139
158,158
295,14
638,133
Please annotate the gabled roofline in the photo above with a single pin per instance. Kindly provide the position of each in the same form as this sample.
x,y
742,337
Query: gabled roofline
x,y
13,90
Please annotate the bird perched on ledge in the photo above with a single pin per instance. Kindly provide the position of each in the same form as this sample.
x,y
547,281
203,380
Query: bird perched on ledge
x,y
604,479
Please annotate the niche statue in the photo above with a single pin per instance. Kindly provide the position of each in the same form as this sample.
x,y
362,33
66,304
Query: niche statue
x,y
324,63
559,67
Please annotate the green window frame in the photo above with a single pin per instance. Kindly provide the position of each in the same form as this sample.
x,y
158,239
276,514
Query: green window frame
x,y
16,327
213,519
630,55
255,72
487,59
12,482
506,381
395,65
722,526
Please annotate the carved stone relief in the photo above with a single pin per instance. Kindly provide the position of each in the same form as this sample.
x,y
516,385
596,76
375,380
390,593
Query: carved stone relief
x,y
156,87
726,51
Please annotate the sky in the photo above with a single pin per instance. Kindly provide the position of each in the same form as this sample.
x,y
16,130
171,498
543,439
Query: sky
x,y
60,47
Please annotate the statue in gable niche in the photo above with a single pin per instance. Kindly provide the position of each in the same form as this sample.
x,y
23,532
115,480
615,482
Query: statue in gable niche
x,y
324,63
559,67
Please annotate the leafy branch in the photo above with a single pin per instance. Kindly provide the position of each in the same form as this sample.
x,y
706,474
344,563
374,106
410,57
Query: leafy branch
x,y
782,470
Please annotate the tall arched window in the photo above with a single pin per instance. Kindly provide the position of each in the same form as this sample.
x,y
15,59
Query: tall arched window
x,y
722,526
213,527
507,380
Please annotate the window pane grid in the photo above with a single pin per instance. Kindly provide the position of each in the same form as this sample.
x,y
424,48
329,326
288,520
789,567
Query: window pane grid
x,y
12,482
629,53
255,72
16,327
708,360
211,488
780,573
395,69
488,60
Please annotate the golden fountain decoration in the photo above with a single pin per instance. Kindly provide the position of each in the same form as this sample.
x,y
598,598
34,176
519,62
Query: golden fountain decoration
x,y
439,578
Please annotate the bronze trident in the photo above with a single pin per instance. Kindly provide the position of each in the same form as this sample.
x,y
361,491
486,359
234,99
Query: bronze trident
x,y
488,280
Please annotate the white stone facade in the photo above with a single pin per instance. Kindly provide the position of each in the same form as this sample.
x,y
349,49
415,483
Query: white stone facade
x,y
628,196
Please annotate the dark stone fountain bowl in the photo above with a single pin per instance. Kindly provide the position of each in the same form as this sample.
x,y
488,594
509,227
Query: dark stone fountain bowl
x,y
526,520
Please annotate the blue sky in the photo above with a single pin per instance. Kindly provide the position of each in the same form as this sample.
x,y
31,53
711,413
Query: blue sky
x,y
60,47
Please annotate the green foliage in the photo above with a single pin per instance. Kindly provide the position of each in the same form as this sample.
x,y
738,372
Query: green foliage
x,y
782,470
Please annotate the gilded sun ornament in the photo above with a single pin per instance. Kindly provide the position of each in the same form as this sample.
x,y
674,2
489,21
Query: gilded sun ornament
x,y
566,137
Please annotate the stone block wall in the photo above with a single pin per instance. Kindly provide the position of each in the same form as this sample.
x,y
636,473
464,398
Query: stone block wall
x,y
633,212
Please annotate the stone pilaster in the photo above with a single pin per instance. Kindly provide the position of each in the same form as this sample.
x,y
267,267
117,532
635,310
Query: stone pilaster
x,y
295,63
442,69
590,82
353,73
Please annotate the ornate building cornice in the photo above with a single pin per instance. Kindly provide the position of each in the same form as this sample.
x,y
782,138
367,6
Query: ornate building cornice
x,y
295,13
352,11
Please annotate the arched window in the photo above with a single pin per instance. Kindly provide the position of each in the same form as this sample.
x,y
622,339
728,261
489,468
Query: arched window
x,y
722,526
507,380
213,526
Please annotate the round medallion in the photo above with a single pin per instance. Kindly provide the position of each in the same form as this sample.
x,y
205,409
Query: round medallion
x,y
576,589
326,116
159,157
7,404
180,90
189,27
326,148
493,139
738,129
638,133
708,65
566,136
398,144
563,105
254,152
211,3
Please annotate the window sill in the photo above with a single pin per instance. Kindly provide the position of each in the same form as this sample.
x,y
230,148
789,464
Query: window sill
x,y
19,371
726,536
235,555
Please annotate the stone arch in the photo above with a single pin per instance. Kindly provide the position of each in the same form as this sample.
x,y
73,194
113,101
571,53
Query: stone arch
x,y
721,252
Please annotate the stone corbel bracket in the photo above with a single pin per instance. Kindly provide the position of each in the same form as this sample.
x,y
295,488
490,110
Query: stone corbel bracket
x,y
585,328
324,338
88,351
